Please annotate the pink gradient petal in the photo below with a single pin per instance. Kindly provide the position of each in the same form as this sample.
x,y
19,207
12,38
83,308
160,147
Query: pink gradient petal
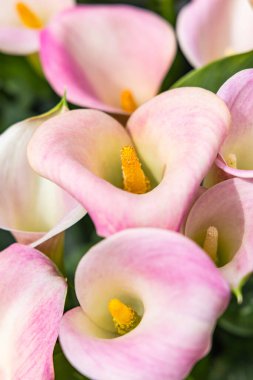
x,y
96,52
32,297
237,92
210,29
32,208
200,191
193,119
173,278
229,207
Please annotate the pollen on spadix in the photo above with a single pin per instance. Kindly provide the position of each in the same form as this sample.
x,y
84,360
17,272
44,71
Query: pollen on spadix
x,y
210,244
232,161
127,101
28,16
124,317
134,179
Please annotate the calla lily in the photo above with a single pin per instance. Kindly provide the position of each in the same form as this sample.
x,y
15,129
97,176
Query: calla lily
x,y
133,293
32,297
221,221
32,208
176,135
211,29
236,157
104,55
22,21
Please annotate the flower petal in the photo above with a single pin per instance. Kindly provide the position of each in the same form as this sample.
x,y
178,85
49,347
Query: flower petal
x,y
227,206
145,264
76,56
194,119
211,29
18,41
31,206
237,93
32,297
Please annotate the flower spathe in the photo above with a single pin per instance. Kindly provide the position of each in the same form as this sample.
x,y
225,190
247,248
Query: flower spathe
x,y
104,55
32,294
22,21
236,154
32,208
228,208
211,29
88,166
166,279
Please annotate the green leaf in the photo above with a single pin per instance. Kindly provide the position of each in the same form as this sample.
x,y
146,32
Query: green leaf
x,y
165,8
22,92
213,75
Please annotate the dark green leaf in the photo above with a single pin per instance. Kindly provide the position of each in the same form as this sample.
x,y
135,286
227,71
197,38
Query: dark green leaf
x,y
212,76
165,8
23,93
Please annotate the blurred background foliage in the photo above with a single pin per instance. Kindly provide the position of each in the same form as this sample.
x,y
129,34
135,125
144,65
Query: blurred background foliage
x,y
24,93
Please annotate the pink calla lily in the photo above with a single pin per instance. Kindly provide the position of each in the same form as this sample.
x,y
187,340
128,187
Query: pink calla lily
x,y
236,151
22,21
32,208
228,207
32,295
211,29
177,136
104,55
166,279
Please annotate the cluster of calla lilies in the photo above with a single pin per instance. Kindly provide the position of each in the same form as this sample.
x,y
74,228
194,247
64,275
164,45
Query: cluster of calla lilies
x,y
171,190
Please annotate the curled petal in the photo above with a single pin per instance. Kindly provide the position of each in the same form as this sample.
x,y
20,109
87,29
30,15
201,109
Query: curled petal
x,y
98,52
211,29
237,93
227,206
89,164
144,267
32,297
31,207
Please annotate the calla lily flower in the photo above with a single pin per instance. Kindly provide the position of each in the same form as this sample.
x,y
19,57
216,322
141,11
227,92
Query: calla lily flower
x,y
32,297
22,21
236,154
221,222
32,208
176,136
211,29
133,293
104,55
